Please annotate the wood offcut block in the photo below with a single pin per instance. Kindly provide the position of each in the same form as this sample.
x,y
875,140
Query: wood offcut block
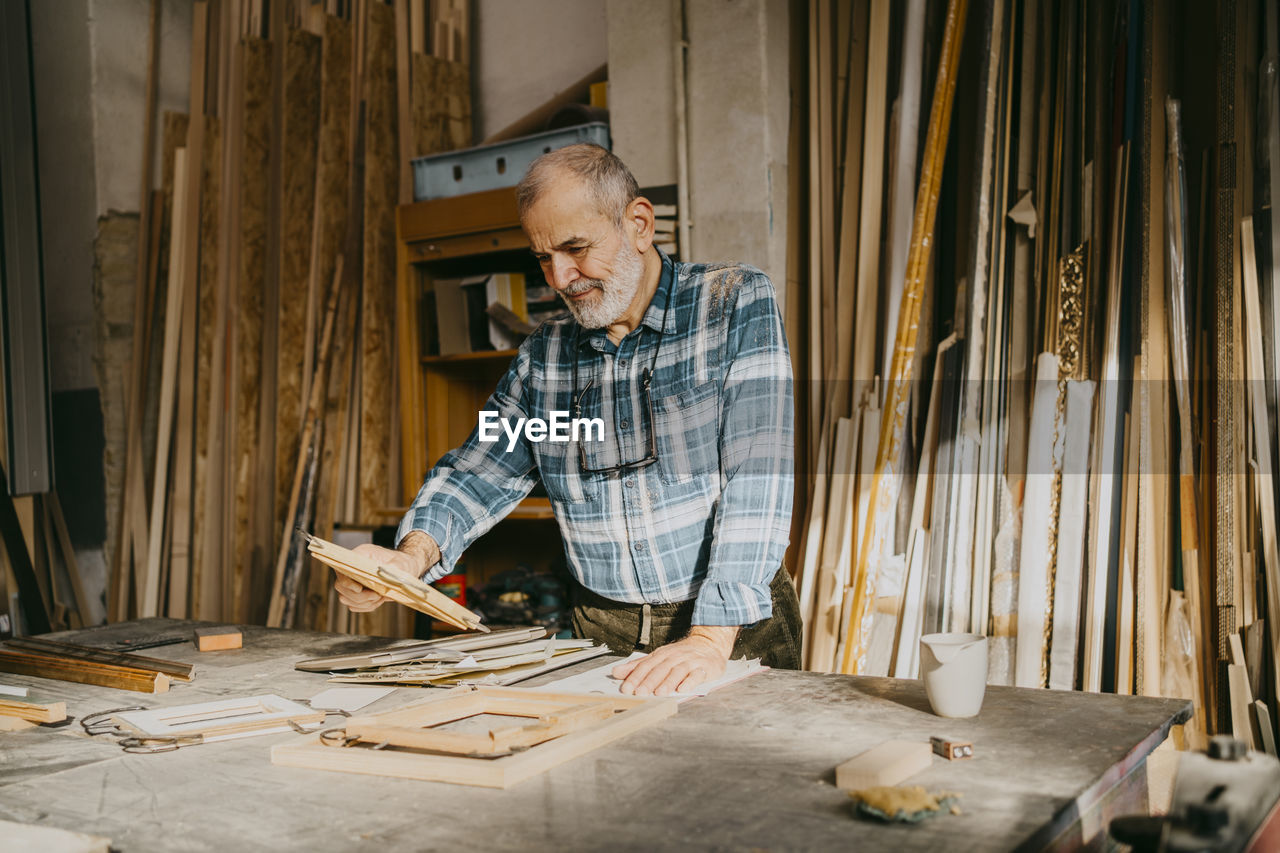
x,y
887,764
217,639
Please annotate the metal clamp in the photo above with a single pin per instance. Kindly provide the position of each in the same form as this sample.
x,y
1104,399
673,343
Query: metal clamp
x,y
151,745
98,724
337,737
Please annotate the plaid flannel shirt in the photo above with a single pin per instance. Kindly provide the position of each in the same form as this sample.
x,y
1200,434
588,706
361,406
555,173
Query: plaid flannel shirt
x,y
711,518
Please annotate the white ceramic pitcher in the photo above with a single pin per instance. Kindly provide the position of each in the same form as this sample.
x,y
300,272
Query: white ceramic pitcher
x,y
954,669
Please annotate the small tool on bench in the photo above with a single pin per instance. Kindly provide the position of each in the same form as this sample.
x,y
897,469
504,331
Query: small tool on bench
x,y
952,749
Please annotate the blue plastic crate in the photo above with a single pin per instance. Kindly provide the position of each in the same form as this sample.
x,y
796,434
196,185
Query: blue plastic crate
x,y
490,167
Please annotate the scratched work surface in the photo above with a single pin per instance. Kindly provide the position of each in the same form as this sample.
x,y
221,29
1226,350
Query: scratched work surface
x,y
750,766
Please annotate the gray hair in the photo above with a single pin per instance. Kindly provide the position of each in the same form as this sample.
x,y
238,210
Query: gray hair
x,y
608,180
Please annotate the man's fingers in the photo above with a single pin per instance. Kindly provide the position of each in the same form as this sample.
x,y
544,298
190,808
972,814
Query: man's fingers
x,y
622,670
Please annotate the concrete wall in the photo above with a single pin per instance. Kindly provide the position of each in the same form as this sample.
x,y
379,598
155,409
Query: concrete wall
x,y
90,70
738,100
526,52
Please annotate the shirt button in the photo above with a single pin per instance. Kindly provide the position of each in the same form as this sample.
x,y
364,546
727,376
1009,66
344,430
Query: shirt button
x,y
639,546
622,365
625,424
631,482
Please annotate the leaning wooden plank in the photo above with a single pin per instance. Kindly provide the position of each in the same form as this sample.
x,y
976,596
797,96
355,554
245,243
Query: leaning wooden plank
x,y
903,172
1108,446
377,309
1072,510
285,584
122,556
872,186
83,672
889,455
1044,462
838,527
174,669
149,584
245,554
334,431
300,128
1241,700
812,551
1125,595
851,199
403,103
69,558
333,178
1226,403
206,589
1179,331
1264,482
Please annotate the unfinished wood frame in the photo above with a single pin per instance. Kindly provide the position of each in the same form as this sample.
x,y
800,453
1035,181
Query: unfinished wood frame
x,y
219,719
394,584
580,717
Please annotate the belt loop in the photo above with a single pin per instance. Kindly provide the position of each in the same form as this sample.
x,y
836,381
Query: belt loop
x,y
646,624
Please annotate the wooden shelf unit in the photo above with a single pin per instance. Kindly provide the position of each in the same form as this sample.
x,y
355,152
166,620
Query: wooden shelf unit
x,y
463,235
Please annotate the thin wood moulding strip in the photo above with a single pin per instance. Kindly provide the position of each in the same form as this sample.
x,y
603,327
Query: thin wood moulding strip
x,y
83,672
173,669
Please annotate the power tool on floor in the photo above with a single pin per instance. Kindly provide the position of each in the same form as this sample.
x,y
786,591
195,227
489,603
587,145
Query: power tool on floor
x,y
1224,799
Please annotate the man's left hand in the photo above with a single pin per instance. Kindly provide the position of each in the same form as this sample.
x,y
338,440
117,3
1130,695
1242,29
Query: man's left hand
x,y
679,666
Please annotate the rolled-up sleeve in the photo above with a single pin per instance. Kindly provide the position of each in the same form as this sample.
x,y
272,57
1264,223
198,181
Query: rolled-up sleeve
x,y
471,488
752,523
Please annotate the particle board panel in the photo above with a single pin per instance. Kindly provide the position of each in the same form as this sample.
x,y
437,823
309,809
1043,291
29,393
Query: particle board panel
x,y
452,114
206,588
333,170
247,556
377,309
300,129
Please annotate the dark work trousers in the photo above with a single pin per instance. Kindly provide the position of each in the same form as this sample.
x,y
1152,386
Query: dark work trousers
x,y
627,628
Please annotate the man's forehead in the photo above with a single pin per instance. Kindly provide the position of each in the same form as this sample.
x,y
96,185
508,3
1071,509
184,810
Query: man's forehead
x,y
565,215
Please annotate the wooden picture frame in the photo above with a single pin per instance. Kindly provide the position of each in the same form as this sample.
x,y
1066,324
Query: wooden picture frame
x,y
219,719
394,584
404,743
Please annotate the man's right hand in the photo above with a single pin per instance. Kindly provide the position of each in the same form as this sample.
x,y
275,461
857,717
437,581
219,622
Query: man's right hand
x,y
417,553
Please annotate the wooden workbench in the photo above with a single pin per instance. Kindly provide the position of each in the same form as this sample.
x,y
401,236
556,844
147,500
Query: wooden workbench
x,y
750,766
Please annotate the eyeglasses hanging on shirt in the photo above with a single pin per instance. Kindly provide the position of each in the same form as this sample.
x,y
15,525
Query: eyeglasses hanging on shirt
x,y
645,381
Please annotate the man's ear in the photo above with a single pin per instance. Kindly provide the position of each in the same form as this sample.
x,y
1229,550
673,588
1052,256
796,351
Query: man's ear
x,y
639,218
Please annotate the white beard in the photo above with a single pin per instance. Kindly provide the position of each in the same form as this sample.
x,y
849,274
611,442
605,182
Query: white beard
x,y
616,293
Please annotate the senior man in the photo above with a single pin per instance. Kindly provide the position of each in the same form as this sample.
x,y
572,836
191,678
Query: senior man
x,y
676,522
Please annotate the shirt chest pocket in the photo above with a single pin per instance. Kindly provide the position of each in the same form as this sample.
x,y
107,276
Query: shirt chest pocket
x,y
562,475
687,426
